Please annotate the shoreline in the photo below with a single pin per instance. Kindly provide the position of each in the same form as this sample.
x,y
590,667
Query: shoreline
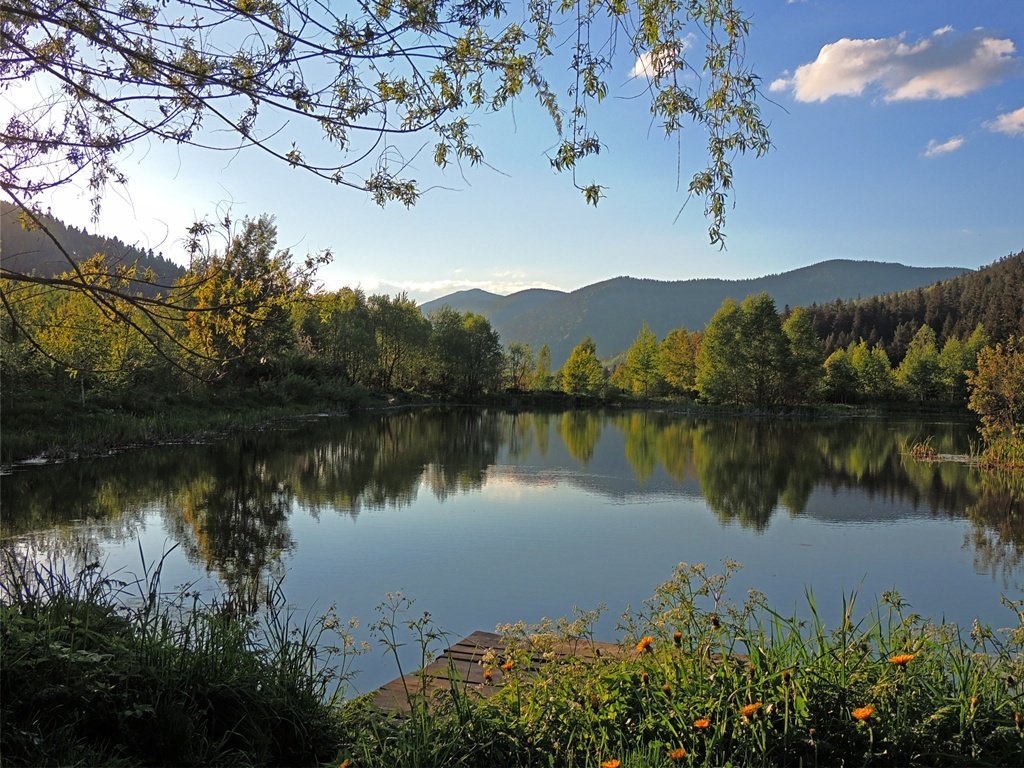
x,y
105,431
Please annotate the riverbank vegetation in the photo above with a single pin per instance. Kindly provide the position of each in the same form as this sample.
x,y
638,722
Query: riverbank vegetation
x,y
96,673
246,330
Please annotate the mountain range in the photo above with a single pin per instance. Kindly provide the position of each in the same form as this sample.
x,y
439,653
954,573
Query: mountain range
x,y
613,311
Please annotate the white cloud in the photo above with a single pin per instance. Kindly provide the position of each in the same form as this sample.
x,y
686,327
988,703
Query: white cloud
x,y
661,62
934,148
1012,123
942,66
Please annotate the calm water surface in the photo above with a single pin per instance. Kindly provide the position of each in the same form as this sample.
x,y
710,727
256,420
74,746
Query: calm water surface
x,y
486,516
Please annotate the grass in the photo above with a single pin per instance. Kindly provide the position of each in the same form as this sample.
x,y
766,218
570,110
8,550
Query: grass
x,y
97,671
699,681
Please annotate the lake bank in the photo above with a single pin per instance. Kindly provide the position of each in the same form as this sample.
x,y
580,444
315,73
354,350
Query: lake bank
x,y
58,430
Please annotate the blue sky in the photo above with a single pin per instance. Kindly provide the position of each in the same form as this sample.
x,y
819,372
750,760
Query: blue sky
x,y
899,136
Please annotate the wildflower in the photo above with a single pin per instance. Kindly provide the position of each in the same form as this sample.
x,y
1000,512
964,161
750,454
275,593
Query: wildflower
x,y
714,621
677,638
702,724
751,709
666,689
677,754
508,665
488,675
644,646
786,675
644,679
863,713
974,703
613,763
902,659
345,763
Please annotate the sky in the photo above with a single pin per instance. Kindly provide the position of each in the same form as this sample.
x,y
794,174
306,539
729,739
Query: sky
x,y
898,132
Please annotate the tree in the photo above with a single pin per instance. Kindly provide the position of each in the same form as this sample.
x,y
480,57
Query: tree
x,y
875,380
678,360
840,377
519,366
744,355
720,356
582,373
920,375
542,377
643,363
340,331
957,358
400,331
997,390
357,86
237,316
806,354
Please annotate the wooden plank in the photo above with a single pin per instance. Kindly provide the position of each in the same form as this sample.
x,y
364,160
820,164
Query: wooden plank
x,y
461,665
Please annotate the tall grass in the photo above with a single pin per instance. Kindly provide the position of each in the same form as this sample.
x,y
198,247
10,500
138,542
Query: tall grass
x,y
97,671
702,681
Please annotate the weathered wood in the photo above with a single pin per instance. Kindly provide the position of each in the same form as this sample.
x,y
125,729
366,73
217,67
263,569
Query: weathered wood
x,y
462,665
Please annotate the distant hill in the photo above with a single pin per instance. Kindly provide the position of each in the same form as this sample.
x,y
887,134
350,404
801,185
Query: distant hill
x,y
612,312
992,296
32,252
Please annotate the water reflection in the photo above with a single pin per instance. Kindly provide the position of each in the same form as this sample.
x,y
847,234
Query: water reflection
x,y
229,505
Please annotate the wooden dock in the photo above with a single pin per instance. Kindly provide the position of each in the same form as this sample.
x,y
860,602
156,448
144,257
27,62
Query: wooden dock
x,y
463,664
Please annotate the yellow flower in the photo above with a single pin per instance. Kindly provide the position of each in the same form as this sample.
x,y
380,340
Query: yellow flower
x,y
751,709
644,646
611,763
863,713
701,724
902,659
677,754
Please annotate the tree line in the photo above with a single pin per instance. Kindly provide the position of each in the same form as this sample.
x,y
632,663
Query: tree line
x,y
251,317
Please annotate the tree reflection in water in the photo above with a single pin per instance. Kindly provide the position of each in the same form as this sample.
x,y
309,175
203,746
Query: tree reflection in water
x,y
229,504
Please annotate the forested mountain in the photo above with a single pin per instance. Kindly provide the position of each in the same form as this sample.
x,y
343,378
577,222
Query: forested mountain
x,y
992,296
612,312
31,251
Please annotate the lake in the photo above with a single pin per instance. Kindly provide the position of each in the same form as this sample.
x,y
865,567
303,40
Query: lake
x,y
489,516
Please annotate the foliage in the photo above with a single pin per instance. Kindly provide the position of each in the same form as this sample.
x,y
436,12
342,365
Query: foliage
x,y
699,680
744,355
643,364
678,359
582,373
543,379
102,672
840,377
520,363
920,373
358,86
954,308
806,355
997,396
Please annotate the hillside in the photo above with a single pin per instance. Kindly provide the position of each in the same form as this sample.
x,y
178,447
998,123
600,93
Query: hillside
x,y
32,252
993,296
612,312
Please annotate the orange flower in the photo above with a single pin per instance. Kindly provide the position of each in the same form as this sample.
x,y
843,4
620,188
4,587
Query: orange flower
x,y
644,646
611,763
863,713
701,724
902,659
677,638
666,689
751,709
677,754
644,678
345,763
488,674
508,665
